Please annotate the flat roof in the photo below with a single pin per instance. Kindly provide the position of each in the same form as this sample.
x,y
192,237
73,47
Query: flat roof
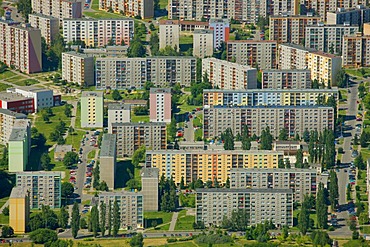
x,y
119,106
286,71
300,47
251,41
223,190
9,97
44,16
77,54
196,23
100,19
32,89
12,113
108,145
149,172
63,148
139,124
169,22
39,173
209,151
272,90
160,90
17,134
21,123
203,31
18,192
92,93
279,170
274,107
288,142
119,193
321,53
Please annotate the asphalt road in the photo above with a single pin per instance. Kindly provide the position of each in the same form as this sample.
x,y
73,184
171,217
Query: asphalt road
x,y
189,131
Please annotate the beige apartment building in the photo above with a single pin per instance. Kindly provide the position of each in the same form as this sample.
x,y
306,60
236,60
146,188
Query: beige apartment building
x,y
58,8
169,34
132,8
19,210
203,43
356,51
286,79
108,160
290,29
20,46
130,205
328,38
131,136
208,165
295,119
261,205
99,32
7,119
149,188
118,113
78,68
48,25
255,53
227,75
92,109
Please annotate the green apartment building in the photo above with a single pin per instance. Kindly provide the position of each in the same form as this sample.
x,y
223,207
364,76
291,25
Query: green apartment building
x,y
92,104
19,145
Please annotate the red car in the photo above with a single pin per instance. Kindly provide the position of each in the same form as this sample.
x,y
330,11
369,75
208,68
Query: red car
x,y
88,174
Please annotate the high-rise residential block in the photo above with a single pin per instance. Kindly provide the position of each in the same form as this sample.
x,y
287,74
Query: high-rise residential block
x,y
286,79
260,205
160,105
255,53
130,205
118,113
355,17
203,40
99,32
208,165
301,181
169,34
60,9
356,51
19,145
19,210
125,73
7,120
295,119
290,29
131,136
267,97
92,104
108,160
221,31
227,75
20,46
291,7
132,8
78,68
328,38
48,25
44,188
149,188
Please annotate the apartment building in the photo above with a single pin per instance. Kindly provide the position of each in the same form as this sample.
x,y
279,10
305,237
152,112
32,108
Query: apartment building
x,y
125,73
227,75
328,38
131,8
19,210
221,31
48,25
203,42
286,79
130,205
131,136
255,53
356,51
20,46
149,188
108,160
354,17
44,188
290,29
7,119
301,181
208,165
323,66
92,104
169,34
285,6
60,9
261,205
191,26
19,145
78,68
295,119
118,113
267,97
160,105
99,32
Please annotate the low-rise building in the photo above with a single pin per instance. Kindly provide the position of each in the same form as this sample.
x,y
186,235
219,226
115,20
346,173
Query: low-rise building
x,y
149,188
130,205
260,205
16,102
19,210
286,79
60,151
7,119
108,160
92,115
118,113
203,43
78,68
190,26
19,145
44,187
160,105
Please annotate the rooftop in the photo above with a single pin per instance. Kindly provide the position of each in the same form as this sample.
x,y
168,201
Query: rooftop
x,y
18,134
203,31
92,94
195,23
9,97
275,107
12,113
44,16
223,190
18,192
169,22
287,142
252,41
160,90
22,123
63,148
108,145
100,19
224,62
218,20
134,101
30,89
77,54
271,90
40,173
286,71
300,47
119,106
209,151
324,54
139,124
119,193
149,172
277,170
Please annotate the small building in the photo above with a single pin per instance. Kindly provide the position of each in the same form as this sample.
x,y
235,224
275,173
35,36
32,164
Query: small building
x,y
19,210
149,188
60,151
16,102
108,160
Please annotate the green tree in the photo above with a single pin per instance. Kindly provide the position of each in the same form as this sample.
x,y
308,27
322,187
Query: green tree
x,y
359,162
70,159
96,176
116,95
45,161
299,159
304,216
355,140
227,183
364,139
67,189
103,213
137,240
171,130
63,217
95,220
287,163
25,7
6,211
228,139
42,236
237,222
138,156
246,141
320,238
281,163
321,208
68,110
361,90
266,139
154,44
136,49
342,79
7,231
283,134
182,183
109,218
75,221
333,189
348,192
306,136
116,218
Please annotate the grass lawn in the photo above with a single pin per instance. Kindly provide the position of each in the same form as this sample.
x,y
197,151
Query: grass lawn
x,y
3,86
184,244
3,201
198,134
198,121
4,220
185,222
27,82
365,229
184,107
78,118
99,13
15,79
163,4
91,154
357,72
159,217
136,119
186,39
59,166
6,74
342,112
344,94
365,154
75,140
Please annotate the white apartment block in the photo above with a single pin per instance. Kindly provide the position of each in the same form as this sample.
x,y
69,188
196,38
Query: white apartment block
x,y
125,73
221,31
227,75
169,34
98,32
7,119
328,38
261,53
20,46
356,51
132,8
42,97
118,113
78,68
203,43
58,8
286,79
48,25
